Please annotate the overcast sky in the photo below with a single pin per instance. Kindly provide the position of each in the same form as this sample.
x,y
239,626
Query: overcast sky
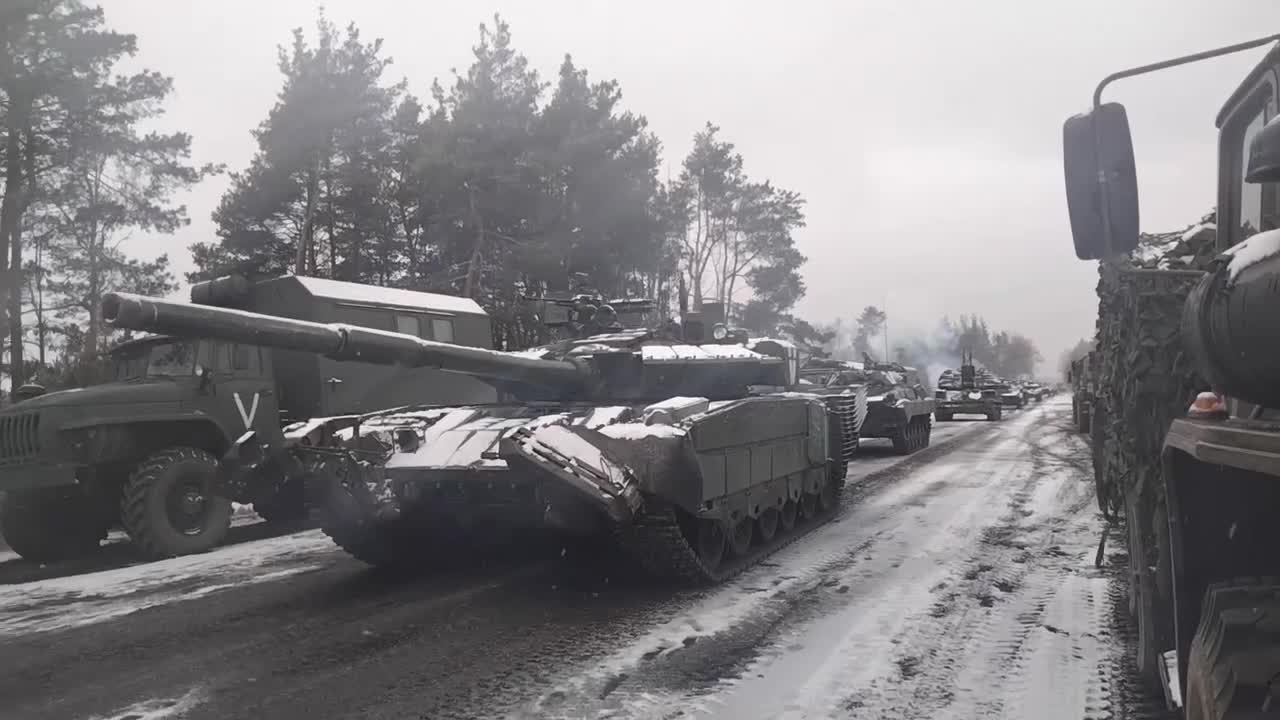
x,y
924,135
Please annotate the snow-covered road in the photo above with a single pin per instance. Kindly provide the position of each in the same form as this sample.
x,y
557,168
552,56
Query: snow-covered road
x,y
958,583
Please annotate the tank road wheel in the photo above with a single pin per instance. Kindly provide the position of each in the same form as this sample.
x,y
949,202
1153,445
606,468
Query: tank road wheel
x,y
767,524
740,537
708,541
42,527
787,515
1236,652
808,505
170,506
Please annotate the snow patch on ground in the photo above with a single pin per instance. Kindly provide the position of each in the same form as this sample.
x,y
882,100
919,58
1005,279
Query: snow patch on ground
x,y
77,600
158,708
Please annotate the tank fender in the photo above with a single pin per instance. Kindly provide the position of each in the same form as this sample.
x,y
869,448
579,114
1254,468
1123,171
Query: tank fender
x,y
573,456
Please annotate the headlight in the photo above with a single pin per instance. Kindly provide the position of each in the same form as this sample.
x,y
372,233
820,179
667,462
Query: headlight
x,y
719,332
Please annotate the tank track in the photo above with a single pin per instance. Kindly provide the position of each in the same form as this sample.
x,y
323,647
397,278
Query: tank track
x,y
658,543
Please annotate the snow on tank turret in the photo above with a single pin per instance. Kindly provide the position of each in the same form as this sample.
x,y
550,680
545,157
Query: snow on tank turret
x,y
687,443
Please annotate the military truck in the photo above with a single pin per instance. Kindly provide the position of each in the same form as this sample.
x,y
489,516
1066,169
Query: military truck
x,y
685,444
141,451
965,393
1191,446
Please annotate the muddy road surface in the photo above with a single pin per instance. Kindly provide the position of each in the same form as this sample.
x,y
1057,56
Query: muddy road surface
x,y
957,583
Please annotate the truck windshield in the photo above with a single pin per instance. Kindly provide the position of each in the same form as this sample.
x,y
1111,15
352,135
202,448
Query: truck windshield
x,y
170,359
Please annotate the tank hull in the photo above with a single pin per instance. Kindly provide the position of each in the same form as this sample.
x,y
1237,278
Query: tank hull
x,y
706,469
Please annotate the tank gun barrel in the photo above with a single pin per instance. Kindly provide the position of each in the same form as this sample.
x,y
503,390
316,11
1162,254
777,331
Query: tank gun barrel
x,y
337,341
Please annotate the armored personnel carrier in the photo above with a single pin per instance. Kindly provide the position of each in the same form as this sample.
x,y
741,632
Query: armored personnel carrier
x,y
967,392
686,443
898,406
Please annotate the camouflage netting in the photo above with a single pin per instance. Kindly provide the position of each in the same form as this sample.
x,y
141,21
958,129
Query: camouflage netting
x,y
1143,378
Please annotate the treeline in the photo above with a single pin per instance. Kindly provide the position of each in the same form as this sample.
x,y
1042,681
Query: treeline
x,y
494,185
79,175
1005,353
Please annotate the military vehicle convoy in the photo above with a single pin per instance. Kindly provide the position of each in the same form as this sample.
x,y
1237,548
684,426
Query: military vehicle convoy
x,y
141,451
1185,422
898,406
967,392
686,444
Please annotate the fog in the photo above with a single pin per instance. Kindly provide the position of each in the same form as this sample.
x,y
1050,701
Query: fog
x,y
924,135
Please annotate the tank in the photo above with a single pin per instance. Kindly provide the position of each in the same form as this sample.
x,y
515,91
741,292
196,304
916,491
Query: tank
x,y
970,390
688,445
898,405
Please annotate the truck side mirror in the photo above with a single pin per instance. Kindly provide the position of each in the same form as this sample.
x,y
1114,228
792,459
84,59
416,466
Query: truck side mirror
x,y
1102,186
1264,155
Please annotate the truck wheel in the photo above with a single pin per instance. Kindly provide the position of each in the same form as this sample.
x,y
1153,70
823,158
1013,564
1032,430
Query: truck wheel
x,y
995,414
1085,420
942,416
42,527
1235,652
170,506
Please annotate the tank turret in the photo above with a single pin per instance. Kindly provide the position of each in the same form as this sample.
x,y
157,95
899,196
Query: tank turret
x,y
337,341
637,363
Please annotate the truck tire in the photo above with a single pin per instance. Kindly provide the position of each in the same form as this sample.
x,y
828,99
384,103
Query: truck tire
x,y
1086,419
995,414
170,506
41,526
942,416
1235,652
